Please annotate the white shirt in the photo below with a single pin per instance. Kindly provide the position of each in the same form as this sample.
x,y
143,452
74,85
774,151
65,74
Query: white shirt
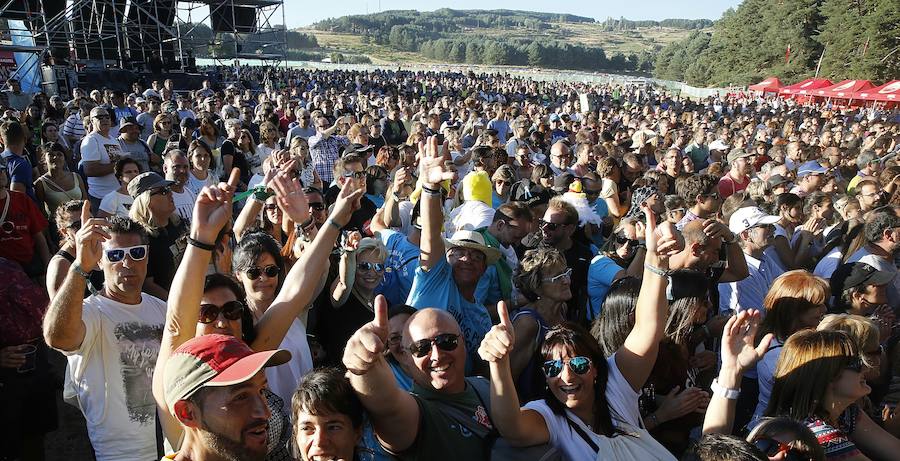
x,y
112,374
184,203
116,203
750,292
623,406
98,148
196,185
283,379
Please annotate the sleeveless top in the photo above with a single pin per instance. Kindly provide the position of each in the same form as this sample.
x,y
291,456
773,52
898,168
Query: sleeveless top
x,y
94,283
55,195
530,383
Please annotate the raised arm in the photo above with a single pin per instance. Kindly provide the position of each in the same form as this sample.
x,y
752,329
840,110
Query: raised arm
x,y
394,413
433,172
302,282
518,426
735,262
63,327
636,357
738,354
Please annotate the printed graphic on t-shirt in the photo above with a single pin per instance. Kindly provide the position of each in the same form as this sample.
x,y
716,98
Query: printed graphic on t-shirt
x,y
139,346
113,151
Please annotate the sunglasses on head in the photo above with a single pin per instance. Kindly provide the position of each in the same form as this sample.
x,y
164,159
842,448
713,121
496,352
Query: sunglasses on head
x,y
270,271
317,206
579,365
231,310
115,255
445,342
771,448
367,266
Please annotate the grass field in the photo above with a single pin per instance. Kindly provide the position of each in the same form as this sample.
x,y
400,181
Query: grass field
x,y
634,41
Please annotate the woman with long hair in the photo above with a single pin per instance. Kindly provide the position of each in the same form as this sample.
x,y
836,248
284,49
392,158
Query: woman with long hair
x,y
269,142
57,185
209,134
199,175
299,149
218,305
795,301
590,408
819,378
154,209
68,222
611,173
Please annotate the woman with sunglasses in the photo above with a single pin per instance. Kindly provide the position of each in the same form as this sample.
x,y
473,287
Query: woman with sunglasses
x,y
544,279
68,221
590,408
154,209
218,306
611,174
622,255
57,185
351,303
818,380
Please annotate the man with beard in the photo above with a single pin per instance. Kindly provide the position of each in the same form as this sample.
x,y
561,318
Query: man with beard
x,y
176,169
214,387
111,338
737,178
755,230
558,225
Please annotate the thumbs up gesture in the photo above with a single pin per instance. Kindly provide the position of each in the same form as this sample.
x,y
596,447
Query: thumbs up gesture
x,y
499,342
368,344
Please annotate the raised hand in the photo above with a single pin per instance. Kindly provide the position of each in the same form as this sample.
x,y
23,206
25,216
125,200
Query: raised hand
x,y
290,197
432,168
348,201
367,345
738,350
498,343
676,404
662,240
213,210
89,239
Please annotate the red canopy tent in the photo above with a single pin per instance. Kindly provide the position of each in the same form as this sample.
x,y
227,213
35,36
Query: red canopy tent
x,y
806,87
889,92
844,90
771,84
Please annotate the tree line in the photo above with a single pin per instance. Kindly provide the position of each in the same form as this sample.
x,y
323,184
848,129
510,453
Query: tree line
x,y
844,39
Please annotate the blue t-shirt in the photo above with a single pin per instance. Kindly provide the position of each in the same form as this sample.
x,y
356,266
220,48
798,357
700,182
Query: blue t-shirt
x,y
19,169
502,127
399,266
488,290
436,288
601,274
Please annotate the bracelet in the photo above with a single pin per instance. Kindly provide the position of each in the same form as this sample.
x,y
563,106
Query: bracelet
x,y
76,268
331,222
431,191
201,245
718,389
656,270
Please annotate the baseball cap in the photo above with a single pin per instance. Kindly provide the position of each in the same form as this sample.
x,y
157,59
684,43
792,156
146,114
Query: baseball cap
x,y
561,182
147,181
213,361
126,121
810,167
151,93
737,153
747,217
554,117
99,111
862,274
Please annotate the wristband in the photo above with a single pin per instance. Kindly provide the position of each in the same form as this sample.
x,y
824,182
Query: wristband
x,y
431,191
331,222
76,268
730,394
201,245
656,270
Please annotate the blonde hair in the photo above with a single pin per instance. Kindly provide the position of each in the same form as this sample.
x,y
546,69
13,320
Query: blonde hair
x,y
530,274
266,132
141,214
790,295
862,330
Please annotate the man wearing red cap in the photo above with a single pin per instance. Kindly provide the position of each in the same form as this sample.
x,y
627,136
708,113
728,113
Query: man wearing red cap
x,y
213,385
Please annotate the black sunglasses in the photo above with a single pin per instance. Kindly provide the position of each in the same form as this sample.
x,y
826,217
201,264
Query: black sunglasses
x,y
162,191
367,266
445,342
622,240
317,206
75,225
855,364
271,271
271,206
551,226
231,310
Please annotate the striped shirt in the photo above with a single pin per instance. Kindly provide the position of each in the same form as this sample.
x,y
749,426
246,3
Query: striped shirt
x,y
836,440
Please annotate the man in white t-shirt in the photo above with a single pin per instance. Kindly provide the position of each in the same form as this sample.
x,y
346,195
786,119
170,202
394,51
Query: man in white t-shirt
x,y
176,169
99,153
111,338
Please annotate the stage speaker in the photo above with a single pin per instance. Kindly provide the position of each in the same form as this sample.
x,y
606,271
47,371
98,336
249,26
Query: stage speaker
x,y
236,19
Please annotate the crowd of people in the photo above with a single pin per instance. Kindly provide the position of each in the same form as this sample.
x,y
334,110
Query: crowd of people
x,y
337,265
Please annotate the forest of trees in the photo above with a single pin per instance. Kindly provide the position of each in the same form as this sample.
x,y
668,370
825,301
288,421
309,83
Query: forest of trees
x,y
436,35
860,40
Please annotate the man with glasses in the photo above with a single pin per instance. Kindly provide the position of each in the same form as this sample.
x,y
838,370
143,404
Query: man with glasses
x,y
869,194
302,127
132,144
511,223
111,338
701,193
325,147
558,225
99,154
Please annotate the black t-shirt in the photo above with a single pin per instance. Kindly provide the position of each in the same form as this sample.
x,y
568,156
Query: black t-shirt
x,y
238,160
359,221
165,252
335,325
578,257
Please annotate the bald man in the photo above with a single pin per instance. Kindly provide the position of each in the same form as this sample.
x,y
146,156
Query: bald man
x,y
443,417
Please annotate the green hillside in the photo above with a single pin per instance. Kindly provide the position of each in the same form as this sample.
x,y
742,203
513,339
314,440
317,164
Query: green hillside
x,y
501,37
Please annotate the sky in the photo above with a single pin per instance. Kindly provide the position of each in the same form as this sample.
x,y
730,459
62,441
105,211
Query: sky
x,y
302,13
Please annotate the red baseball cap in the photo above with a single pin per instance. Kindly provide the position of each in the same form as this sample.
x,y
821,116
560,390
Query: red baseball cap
x,y
213,360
